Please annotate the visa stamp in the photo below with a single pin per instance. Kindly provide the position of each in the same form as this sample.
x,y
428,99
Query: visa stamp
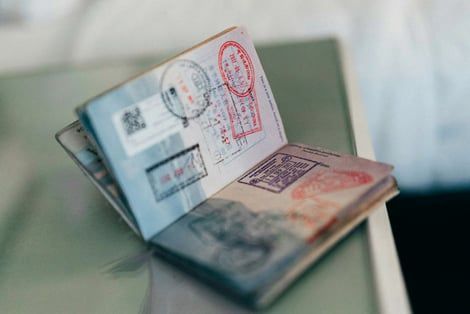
x,y
228,121
279,172
328,181
185,88
176,172
237,71
216,126
236,68
244,115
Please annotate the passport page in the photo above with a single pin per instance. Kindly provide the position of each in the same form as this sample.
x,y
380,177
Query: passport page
x,y
175,135
258,234
76,143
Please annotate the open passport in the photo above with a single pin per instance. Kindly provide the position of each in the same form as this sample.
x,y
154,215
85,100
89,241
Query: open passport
x,y
193,155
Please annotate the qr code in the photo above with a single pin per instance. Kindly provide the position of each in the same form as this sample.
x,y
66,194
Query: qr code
x,y
133,121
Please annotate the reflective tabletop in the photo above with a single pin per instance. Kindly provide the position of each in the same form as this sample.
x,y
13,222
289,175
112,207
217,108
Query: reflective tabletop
x,y
64,250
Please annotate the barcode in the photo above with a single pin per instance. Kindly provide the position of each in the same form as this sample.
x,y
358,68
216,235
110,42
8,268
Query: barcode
x,y
133,121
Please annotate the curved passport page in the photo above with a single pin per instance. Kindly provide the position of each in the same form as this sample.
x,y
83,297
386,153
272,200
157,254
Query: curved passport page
x,y
177,134
259,233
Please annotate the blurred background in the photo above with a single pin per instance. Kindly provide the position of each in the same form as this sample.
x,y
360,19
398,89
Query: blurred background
x,y
412,63
411,58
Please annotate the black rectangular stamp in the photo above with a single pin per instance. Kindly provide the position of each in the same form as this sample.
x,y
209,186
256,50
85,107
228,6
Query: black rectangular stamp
x,y
278,172
176,172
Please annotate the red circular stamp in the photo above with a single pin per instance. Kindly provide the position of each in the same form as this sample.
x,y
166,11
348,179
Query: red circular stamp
x,y
328,181
236,68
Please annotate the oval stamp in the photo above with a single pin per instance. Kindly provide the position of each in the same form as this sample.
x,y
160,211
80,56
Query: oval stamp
x,y
328,181
185,88
236,68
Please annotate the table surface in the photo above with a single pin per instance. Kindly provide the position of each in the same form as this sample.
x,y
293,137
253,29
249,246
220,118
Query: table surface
x,y
64,250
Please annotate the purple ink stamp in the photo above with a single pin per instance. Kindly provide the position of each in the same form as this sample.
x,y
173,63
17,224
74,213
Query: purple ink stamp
x,y
278,172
